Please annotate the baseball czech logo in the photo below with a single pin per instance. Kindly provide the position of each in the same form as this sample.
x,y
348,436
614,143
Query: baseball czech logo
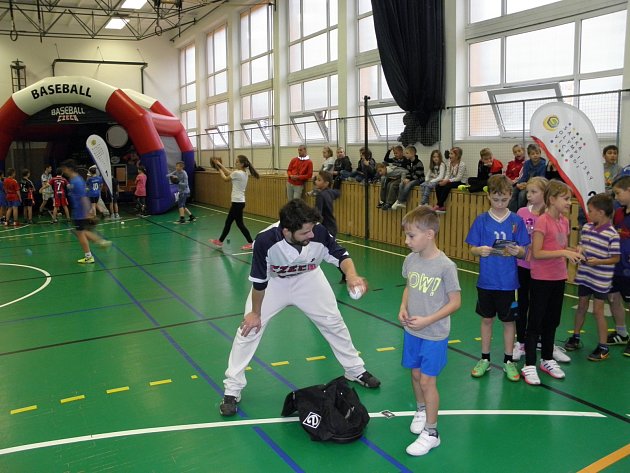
x,y
312,420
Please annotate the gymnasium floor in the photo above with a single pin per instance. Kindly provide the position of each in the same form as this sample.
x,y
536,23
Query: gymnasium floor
x,y
118,366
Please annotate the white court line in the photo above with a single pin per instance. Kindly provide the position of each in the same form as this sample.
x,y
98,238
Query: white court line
x,y
68,229
46,283
277,420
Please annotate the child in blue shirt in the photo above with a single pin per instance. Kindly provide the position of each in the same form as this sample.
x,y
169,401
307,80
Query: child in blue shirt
x,y
93,187
498,237
536,165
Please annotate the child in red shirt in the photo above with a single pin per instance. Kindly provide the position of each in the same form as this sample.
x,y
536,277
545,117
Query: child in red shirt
x,y
513,171
12,191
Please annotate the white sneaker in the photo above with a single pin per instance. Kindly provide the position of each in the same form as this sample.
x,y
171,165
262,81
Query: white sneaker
x,y
530,375
519,350
551,368
560,355
399,205
423,444
417,424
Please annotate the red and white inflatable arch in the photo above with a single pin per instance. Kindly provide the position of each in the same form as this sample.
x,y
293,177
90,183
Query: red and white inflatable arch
x,y
144,118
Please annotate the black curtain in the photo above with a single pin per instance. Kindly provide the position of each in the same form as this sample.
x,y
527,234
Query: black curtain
x,y
410,38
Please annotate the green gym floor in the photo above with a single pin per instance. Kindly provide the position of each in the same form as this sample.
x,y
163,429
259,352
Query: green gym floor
x,y
118,366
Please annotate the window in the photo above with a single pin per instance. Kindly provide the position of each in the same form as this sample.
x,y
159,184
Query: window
x,y
313,107
256,45
187,75
583,54
481,10
385,117
367,35
218,119
189,120
216,46
312,33
257,118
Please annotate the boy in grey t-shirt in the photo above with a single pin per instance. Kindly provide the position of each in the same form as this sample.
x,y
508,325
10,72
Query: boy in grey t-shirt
x,y
431,295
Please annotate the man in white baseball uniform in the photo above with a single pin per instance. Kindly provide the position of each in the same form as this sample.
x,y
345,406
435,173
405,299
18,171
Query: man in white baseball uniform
x,y
285,271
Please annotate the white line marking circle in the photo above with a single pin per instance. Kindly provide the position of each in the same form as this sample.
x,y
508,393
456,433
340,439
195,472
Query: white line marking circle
x,y
43,286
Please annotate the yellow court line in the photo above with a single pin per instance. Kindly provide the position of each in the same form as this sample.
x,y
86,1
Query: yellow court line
x,y
23,409
316,358
454,341
117,390
194,376
386,349
72,399
162,381
280,363
249,368
608,460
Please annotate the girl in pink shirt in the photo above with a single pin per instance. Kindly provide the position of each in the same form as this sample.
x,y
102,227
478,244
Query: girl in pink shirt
x,y
141,191
549,273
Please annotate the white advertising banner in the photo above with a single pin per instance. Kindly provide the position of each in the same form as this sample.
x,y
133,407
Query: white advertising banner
x,y
568,138
97,148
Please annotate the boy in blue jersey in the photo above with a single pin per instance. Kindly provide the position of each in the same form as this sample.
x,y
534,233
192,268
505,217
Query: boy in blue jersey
x,y
93,187
80,207
498,237
286,271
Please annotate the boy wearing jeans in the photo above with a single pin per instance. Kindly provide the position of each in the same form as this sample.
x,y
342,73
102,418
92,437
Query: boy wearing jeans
x,y
432,293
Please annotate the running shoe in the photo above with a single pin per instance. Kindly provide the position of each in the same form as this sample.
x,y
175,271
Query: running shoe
x,y
572,343
228,406
560,355
86,260
615,339
365,379
626,352
217,243
417,424
423,444
511,371
551,368
519,350
599,354
480,368
246,247
530,375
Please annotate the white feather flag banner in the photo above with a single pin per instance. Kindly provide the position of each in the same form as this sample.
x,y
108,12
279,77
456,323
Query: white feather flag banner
x,y
568,138
97,148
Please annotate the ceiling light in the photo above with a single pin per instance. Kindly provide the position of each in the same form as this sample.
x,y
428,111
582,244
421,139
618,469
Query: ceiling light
x,y
116,23
133,4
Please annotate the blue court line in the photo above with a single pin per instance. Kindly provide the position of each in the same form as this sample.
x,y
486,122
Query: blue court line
x,y
380,452
78,311
386,456
276,448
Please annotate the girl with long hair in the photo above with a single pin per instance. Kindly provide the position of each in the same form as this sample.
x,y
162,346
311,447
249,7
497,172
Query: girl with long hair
x,y
239,179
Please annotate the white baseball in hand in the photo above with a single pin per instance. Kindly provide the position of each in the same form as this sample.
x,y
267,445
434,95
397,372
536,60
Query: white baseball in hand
x,y
355,292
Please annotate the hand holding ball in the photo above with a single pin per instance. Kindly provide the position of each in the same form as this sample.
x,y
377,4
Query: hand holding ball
x,y
174,180
355,293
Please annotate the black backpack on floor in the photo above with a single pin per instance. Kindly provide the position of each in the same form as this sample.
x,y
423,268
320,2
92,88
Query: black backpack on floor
x,y
330,411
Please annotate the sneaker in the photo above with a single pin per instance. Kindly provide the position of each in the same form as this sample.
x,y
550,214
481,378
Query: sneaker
x,y
530,375
228,406
86,260
551,368
181,220
365,379
519,350
192,218
480,368
417,424
599,354
571,344
463,187
615,339
104,243
218,243
399,205
440,210
626,352
386,206
53,221
246,247
423,444
485,189
511,371
380,205
560,355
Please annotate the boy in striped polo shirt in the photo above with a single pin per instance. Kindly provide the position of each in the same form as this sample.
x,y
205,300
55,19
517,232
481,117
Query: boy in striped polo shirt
x,y
599,246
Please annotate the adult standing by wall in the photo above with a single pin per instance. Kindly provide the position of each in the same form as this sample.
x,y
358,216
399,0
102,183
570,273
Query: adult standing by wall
x,y
300,170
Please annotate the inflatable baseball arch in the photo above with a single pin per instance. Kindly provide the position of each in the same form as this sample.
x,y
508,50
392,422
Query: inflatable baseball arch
x,y
144,118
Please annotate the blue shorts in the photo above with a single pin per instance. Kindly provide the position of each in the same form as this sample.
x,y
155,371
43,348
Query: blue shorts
x,y
428,356
14,203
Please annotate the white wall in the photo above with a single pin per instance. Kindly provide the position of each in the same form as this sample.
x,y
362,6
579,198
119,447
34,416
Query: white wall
x,y
160,77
